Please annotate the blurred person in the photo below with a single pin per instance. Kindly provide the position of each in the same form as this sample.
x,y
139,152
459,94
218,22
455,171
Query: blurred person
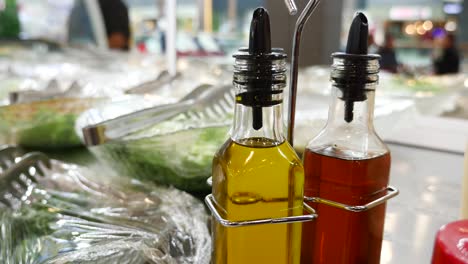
x,y
116,22
80,30
152,31
388,61
448,59
115,15
373,47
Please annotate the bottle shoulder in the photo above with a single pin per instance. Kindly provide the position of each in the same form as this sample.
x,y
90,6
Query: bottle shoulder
x,y
349,142
235,152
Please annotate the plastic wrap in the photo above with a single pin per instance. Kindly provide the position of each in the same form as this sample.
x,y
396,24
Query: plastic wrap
x,y
181,159
45,124
101,74
8,85
176,152
69,218
50,89
42,114
41,74
432,95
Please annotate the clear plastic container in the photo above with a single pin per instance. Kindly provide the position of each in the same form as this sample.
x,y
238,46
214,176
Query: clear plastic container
x,y
43,124
74,215
176,152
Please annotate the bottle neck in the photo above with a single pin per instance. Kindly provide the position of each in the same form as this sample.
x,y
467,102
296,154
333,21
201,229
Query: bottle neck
x,y
259,81
271,132
354,79
362,111
350,133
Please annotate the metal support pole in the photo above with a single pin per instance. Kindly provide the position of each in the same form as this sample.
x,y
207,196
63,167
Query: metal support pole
x,y
301,21
232,14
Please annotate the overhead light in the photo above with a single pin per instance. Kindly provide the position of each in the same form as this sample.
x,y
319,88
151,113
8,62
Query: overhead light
x,y
451,25
420,30
410,29
427,25
453,8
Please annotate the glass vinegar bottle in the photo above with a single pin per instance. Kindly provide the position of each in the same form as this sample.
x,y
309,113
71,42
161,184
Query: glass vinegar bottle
x,y
348,163
256,173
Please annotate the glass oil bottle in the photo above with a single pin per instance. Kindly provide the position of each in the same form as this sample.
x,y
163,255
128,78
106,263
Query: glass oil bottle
x,y
256,173
348,163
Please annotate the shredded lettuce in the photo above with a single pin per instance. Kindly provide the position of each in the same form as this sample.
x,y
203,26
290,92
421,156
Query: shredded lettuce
x,y
181,159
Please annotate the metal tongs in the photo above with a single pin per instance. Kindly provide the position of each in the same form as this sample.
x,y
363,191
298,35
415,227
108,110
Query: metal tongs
x,y
18,172
52,91
150,86
205,100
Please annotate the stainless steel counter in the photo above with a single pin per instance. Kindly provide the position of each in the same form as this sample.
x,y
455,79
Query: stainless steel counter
x,y
430,193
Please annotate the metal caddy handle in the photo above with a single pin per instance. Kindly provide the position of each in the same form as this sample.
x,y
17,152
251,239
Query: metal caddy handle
x,y
210,202
392,192
312,215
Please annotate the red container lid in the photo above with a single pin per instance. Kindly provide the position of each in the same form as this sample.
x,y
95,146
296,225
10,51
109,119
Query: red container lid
x,y
451,244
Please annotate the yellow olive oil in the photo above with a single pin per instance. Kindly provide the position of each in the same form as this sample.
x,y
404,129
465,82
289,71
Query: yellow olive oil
x,y
257,178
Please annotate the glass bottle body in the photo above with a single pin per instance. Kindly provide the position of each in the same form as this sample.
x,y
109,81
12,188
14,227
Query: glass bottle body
x,y
257,174
348,163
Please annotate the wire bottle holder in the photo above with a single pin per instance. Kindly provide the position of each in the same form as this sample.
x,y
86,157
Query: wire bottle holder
x,y
311,215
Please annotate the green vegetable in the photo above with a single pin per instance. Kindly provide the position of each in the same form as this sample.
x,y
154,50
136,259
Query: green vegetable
x,y
181,159
416,85
27,223
44,124
9,22
56,131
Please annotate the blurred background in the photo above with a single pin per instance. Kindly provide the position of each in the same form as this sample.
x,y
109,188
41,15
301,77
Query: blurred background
x,y
416,30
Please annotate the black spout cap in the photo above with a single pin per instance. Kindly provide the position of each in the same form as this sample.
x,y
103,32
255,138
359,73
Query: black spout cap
x,y
358,35
260,40
260,33
352,78
260,70
263,66
259,44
